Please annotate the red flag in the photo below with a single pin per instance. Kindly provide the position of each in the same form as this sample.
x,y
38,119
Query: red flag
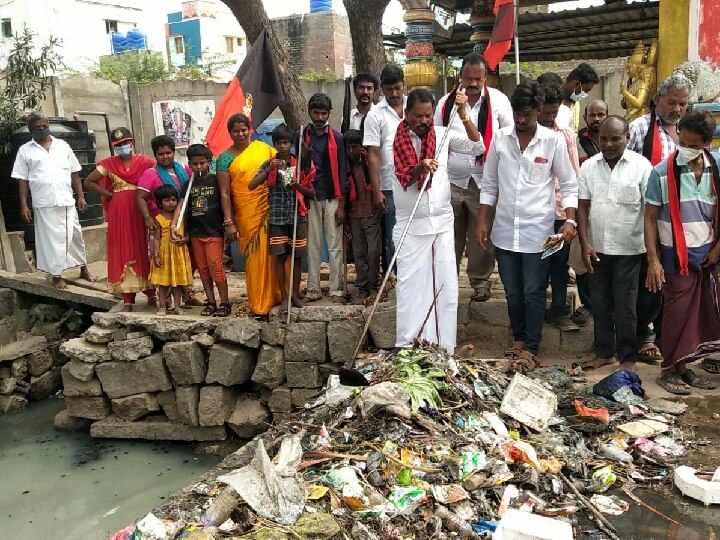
x,y
255,91
502,33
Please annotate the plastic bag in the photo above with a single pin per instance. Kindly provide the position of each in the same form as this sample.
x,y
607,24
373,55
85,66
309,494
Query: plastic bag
x,y
150,528
601,414
603,479
612,383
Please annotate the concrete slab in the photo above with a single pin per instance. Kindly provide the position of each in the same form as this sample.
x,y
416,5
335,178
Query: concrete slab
x,y
155,430
37,284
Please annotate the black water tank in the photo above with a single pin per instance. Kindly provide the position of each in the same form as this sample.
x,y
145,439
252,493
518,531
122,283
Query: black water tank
x,y
82,141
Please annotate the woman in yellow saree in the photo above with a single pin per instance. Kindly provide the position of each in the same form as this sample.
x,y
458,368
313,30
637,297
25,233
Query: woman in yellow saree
x,y
237,165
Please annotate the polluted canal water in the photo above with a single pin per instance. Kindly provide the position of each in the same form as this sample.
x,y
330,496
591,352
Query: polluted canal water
x,y
57,485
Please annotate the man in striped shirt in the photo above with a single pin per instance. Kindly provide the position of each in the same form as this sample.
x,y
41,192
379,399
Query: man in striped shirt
x,y
655,136
681,237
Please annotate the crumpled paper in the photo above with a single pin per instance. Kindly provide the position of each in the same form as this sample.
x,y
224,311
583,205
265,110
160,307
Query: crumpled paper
x,y
270,495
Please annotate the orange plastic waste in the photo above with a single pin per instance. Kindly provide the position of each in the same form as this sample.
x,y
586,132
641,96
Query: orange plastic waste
x,y
601,414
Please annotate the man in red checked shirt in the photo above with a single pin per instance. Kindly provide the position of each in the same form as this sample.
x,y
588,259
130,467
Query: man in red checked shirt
x,y
427,283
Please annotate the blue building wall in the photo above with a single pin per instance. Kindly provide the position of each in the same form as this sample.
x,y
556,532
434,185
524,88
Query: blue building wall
x,y
190,30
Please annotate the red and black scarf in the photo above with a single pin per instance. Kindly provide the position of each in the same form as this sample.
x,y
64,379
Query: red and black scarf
x,y
305,179
330,163
485,124
674,180
406,159
652,145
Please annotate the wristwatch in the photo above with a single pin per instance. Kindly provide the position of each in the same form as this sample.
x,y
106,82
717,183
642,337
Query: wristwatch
x,y
465,118
571,222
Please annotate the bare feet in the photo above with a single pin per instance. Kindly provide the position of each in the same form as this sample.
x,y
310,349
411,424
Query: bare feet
x,y
59,283
87,276
627,366
297,301
127,307
598,363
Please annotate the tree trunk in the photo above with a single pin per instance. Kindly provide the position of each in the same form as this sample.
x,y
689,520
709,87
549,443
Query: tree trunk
x,y
252,17
365,17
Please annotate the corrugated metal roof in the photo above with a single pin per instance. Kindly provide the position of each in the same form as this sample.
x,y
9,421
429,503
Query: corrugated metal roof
x,y
606,31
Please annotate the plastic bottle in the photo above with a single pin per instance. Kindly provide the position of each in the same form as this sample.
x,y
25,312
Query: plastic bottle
x,y
613,452
221,508
455,523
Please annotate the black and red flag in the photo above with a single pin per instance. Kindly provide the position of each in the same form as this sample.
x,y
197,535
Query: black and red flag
x,y
255,91
502,34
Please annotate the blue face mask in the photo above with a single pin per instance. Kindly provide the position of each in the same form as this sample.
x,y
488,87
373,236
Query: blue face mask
x,y
579,96
124,150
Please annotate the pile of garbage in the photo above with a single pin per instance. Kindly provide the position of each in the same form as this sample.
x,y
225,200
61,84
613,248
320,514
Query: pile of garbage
x,y
438,447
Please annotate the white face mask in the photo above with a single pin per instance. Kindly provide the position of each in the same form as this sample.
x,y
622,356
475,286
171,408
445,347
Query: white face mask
x,y
689,154
579,96
124,150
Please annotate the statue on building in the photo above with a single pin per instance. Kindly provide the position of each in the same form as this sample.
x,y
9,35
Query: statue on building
x,y
640,87
705,81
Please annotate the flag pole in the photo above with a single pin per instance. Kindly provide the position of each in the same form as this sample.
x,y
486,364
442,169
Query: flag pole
x,y
517,44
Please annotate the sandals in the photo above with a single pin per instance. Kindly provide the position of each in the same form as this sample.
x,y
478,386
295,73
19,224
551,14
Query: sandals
x,y
209,309
649,353
224,310
481,295
692,379
525,363
673,383
516,358
711,365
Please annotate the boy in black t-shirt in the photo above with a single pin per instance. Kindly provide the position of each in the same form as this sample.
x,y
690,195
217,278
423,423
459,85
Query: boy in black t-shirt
x,y
286,195
209,224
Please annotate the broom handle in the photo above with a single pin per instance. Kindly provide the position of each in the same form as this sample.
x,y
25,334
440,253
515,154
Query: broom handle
x,y
295,223
184,204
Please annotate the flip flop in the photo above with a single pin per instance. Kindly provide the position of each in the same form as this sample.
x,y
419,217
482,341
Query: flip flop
x,y
649,353
692,379
481,295
711,365
672,383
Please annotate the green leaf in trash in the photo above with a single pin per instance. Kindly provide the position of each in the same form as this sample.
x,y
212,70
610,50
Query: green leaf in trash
x,y
422,385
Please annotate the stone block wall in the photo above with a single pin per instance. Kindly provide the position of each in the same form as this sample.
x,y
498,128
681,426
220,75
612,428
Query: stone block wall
x,y
137,375
30,365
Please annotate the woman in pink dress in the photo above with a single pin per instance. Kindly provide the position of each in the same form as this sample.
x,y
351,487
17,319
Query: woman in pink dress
x,y
116,178
168,172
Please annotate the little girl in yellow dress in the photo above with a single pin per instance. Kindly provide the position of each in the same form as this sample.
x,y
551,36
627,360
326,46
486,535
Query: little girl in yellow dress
x,y
170,267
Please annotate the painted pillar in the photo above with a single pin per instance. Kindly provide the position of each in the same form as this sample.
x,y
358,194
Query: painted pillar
x,y
673,35
420,72
704,31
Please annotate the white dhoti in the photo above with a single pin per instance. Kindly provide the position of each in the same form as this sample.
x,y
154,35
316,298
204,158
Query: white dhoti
x,y
59,244
426,266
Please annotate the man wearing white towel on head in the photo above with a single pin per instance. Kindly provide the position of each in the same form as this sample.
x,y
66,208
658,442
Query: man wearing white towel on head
x,y
426,259
47,169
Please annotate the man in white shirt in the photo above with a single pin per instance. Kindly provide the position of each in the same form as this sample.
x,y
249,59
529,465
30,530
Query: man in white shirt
x,y
426,273
518,182
380,125
47,169
364,87
487,111
610,217
559,261
564,116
